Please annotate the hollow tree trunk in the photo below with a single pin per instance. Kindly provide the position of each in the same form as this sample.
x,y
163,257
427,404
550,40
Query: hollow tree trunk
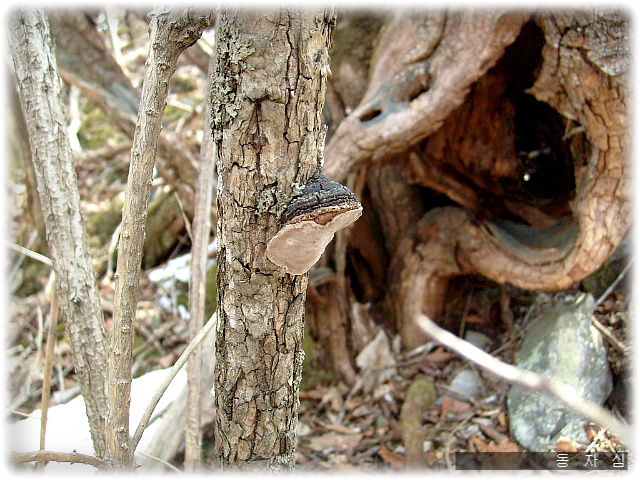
x,y
494,143
267,96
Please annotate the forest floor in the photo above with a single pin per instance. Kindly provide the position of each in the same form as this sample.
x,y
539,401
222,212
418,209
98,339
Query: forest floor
x,y
343,428
348,429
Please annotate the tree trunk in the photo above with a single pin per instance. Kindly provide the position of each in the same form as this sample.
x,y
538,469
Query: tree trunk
x,y
266,98
41,95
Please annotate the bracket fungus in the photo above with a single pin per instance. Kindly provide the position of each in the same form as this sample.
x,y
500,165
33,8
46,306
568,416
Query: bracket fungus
x,y
309,223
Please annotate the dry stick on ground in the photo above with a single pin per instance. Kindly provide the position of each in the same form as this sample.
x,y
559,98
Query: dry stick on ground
x,y
48,362
41,96
170,33
523,378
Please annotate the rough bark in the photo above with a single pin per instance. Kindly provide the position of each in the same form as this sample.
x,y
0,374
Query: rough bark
x,y
170,33
41,95
267,96
18,135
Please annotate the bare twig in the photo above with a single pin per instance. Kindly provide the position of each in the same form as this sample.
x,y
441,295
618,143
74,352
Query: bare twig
x,y
183,212
30,253
18,248
115,236
615,283
106,152
144,421
197,293
612,340
41,94
163,462
42,455
169,434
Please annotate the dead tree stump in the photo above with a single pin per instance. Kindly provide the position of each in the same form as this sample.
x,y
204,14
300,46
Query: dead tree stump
x,y
492,143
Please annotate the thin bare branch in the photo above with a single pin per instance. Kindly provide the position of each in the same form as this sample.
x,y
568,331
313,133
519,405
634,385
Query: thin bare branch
x,y
48,362
170,33
42,455
610,337
41,96
31,254
197,294
163,462
614,284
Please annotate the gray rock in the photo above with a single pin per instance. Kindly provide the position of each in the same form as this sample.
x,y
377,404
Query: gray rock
x,y
466,383
564,345
478,339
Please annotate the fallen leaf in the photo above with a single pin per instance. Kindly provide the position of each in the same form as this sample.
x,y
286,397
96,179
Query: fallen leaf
x,y
382,390
352,404
394,460
339,428
506,446
315,394
333,398
359,411
375,355
502,419
345,467
451,405
432,457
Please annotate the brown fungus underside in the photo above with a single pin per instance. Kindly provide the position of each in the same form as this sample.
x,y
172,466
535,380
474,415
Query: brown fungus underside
x,y
510,162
